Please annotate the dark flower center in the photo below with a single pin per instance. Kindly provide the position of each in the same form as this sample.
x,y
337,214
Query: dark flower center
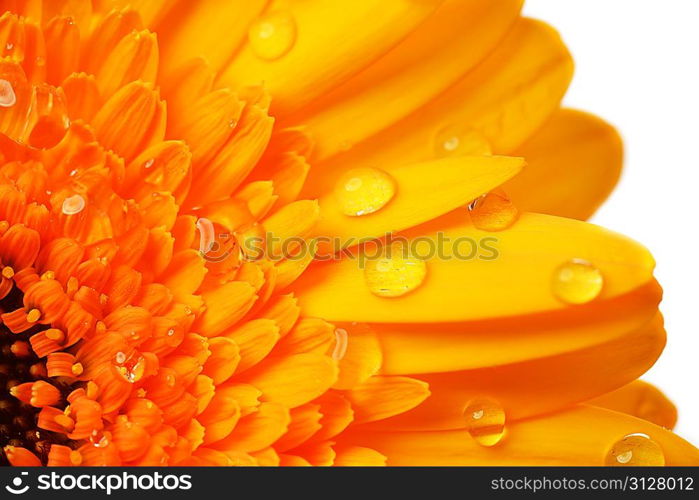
x,y
18,420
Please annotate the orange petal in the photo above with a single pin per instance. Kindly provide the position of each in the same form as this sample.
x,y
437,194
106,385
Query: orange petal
x,y
257,430
382,397
293,380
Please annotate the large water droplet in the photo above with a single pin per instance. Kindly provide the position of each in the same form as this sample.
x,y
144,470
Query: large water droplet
x,y
493,212
7,94
577,282
396,273
73,205
272,35
635,450
362,191
485,421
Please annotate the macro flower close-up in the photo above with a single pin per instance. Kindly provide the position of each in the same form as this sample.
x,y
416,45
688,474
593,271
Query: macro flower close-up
x,y
310,232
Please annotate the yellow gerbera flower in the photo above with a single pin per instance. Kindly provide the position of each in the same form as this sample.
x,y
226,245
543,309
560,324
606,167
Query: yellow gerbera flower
x,y
159,298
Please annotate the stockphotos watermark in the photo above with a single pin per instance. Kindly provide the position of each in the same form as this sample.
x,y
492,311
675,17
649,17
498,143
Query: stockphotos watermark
x,y
253,246
99,482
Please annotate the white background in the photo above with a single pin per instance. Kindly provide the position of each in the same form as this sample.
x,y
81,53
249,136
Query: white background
x,y
637,65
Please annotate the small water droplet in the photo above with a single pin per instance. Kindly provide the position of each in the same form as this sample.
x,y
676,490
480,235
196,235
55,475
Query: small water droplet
x,y
7,94
9,46
493,212
395,274
485,421
133,368
577,282
363,191
170,332
454,140
148,164
73,205
635,450
272,35
99,439
120,358
341,340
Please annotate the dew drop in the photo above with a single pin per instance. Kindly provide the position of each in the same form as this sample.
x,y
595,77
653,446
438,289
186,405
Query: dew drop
x,y
485,421
363,191
148,164
493,212
272,35
99,439
120,358
7,94
577,282
635,450
9,46
459,141
73,205
396,273
133,369
341,340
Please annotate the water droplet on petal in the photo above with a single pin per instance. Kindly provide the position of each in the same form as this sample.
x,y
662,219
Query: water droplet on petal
x,y
99,439
635,450
148,164
363,191
120,358
454,141
485,421
7,94
396,273
340,344
493,212
73,205
9,46
272,35
577,282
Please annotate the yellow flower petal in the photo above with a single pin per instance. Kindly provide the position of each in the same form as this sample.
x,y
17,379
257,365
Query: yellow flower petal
x,y
333,41
578,153
580,436
505,98
640,399
441,50
206,28
538,385
440,186
518,280
446,347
